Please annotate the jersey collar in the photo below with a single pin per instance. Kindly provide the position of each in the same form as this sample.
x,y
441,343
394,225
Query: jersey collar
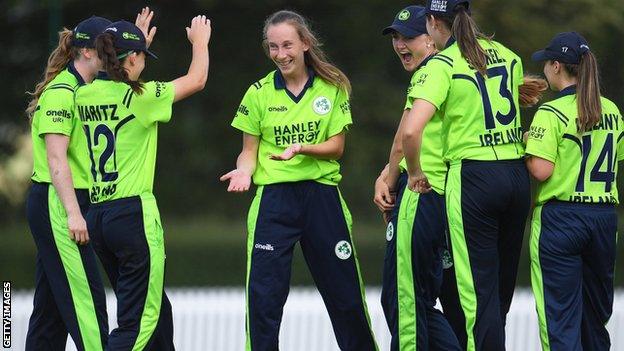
x,y
280,83
571,90
102,75
424,62
72,69
449,42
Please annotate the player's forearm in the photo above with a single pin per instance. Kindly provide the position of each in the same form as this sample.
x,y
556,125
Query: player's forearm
x,y
247,161
412,140
62,181
396,154
197,75
198,69
393,169
383,175
331,149
397,146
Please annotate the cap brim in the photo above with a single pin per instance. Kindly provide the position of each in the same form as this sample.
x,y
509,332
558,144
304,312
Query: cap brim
x,y
403,30
151,54
541,55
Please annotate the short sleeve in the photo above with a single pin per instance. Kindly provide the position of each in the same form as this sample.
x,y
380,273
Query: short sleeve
x,y
544,136
340,118
620,138
248,115
620,146
55,111
409,101
154,104
433,82
518,72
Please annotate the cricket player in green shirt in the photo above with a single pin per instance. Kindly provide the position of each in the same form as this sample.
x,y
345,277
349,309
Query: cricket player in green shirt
x,y
416,228
294,122
69,295
121,116
474,83
574,146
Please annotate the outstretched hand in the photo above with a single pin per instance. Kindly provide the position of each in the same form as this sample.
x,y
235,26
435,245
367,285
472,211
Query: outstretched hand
x,y
289,153
239,180
143,20
199,32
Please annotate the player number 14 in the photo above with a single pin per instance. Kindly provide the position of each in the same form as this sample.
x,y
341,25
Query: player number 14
x,y
596,175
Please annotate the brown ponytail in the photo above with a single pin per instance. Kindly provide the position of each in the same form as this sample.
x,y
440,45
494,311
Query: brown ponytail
x,y
587,91
314,57
107,53
531,90
58,59
466,33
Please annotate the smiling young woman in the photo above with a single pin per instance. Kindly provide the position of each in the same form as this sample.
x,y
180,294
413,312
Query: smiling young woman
x,y
416,231
294,122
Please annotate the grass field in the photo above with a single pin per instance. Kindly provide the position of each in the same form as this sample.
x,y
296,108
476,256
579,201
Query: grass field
x,y
211,252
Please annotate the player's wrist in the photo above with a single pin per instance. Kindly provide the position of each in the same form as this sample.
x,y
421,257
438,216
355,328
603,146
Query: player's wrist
x,y
298,149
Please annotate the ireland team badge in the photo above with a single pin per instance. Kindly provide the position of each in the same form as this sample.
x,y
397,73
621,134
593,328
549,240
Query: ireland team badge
x,y
343,250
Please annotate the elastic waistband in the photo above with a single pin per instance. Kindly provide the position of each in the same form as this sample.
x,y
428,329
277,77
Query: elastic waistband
x,y
302,183
44,187
116,202
576,205
513,162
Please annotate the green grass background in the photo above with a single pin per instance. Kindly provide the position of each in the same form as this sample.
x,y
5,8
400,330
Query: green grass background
x,y
211,252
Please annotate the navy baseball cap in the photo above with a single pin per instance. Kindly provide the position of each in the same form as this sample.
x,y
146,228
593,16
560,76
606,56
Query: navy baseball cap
x,y
410,22
565,47
128,37
83,36
445,7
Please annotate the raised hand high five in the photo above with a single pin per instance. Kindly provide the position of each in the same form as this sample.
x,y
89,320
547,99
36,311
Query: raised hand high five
x,y
143,20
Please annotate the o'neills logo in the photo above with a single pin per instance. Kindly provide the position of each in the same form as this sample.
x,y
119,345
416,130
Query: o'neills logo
x,y
265,247
278,109
305,132
58,113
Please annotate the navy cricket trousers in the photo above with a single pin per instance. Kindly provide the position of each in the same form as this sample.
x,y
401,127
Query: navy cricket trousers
x,y
128,237
316,216
573,249
413,272
487,206
69,294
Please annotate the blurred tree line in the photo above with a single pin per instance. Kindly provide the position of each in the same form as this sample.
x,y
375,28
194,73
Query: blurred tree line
x,y
198,145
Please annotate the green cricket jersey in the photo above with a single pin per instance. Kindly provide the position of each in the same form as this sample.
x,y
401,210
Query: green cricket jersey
x,y
431,160
481,117
122,133
280,119
585,165
55,115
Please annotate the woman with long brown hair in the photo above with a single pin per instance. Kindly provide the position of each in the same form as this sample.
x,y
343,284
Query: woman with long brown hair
x,y
121,115
294,122
475,83
574,144
69,295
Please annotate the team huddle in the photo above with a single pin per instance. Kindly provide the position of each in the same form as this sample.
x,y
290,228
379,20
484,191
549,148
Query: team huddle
x,y
455,193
